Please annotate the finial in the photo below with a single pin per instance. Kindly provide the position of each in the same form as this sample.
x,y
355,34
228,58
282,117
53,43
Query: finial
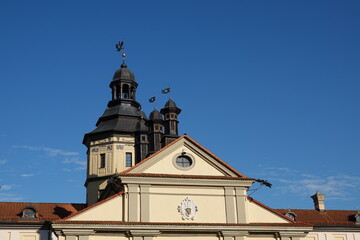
x,y
120,46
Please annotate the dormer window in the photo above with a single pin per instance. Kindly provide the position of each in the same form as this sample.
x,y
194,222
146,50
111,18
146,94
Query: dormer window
x,y
29,214
291,215
357,218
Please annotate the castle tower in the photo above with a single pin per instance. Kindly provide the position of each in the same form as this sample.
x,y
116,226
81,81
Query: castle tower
x,y
170,112
155,131
120,138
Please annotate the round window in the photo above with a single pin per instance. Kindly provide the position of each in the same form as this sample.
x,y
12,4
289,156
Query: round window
x,y
184,161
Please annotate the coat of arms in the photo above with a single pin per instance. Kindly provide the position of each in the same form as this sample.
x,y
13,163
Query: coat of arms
x,y
187,209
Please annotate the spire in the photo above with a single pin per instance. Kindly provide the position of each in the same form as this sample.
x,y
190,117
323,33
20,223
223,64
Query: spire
x,y
170,112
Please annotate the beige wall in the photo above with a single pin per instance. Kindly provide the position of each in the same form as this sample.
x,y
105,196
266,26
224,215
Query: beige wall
x,y
332,236
259,214
99,237
115,149
183,237
92,191
24,234
164,202
111,210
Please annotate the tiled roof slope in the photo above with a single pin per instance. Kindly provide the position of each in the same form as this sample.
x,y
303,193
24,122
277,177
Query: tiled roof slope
x,y
326,218
11,212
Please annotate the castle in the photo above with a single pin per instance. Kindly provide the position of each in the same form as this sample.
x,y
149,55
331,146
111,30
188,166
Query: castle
x,y
144,182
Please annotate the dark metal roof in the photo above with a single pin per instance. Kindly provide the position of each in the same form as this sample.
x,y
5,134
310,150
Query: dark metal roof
x,y
155,115
170,104
124,74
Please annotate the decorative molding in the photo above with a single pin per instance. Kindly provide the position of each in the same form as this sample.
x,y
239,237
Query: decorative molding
x,y
187,209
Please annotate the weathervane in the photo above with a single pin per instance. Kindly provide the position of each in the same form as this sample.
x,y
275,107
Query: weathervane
x,y
120,46
262,183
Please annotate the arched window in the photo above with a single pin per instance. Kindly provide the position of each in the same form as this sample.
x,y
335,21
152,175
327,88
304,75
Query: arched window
x,y
125,92
117,89
29,214
132,93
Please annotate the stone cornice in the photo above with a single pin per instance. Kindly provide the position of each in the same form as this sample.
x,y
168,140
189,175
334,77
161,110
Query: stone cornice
x,y
185,181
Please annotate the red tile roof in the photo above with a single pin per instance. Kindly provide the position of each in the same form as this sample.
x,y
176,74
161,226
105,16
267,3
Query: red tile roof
x,y
11,212
327,218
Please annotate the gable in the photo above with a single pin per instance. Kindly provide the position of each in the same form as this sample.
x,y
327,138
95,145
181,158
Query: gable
x,y
259,213
169,160
110,209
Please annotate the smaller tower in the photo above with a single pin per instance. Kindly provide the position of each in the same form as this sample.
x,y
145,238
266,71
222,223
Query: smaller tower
x,y
170,112
155,131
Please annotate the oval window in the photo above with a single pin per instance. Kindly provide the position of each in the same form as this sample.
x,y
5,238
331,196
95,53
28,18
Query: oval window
x,y
184,161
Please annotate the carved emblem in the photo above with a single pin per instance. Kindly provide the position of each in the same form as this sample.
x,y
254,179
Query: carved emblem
x,y
187,209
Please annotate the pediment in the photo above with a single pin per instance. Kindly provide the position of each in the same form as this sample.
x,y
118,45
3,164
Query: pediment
x,y
185,156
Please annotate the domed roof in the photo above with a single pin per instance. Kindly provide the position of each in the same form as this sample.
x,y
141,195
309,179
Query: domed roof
x,y
124,74
155,115
170,104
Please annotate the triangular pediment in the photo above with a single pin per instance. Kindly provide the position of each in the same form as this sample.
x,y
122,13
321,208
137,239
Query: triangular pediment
x,y
185,156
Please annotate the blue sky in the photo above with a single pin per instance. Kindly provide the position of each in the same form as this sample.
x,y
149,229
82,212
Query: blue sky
x,y
271,87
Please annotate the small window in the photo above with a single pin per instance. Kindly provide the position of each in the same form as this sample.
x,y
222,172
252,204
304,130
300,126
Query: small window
x,y
29,214
291,215
128,160
143,138
102,160
183,161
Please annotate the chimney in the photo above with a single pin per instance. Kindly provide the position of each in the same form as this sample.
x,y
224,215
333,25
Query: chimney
x,y
319,201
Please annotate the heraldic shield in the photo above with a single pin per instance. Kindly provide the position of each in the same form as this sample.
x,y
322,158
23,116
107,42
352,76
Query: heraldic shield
x,y
187,209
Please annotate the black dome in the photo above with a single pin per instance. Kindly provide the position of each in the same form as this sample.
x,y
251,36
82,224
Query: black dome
x,y
170,104
155,115
124,74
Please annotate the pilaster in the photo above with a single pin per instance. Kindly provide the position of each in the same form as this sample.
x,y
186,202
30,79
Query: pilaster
x,y
143,234
234,235
133,191
230,205
241,205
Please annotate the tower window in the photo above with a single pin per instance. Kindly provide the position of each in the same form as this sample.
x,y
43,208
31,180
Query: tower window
x,y
125,91
102,160
128,159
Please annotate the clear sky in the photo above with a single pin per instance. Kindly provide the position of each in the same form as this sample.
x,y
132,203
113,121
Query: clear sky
x,y
270,87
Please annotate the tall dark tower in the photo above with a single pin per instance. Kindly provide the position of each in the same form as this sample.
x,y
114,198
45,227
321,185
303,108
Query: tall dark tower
x,y
170,112
155,131
120,138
